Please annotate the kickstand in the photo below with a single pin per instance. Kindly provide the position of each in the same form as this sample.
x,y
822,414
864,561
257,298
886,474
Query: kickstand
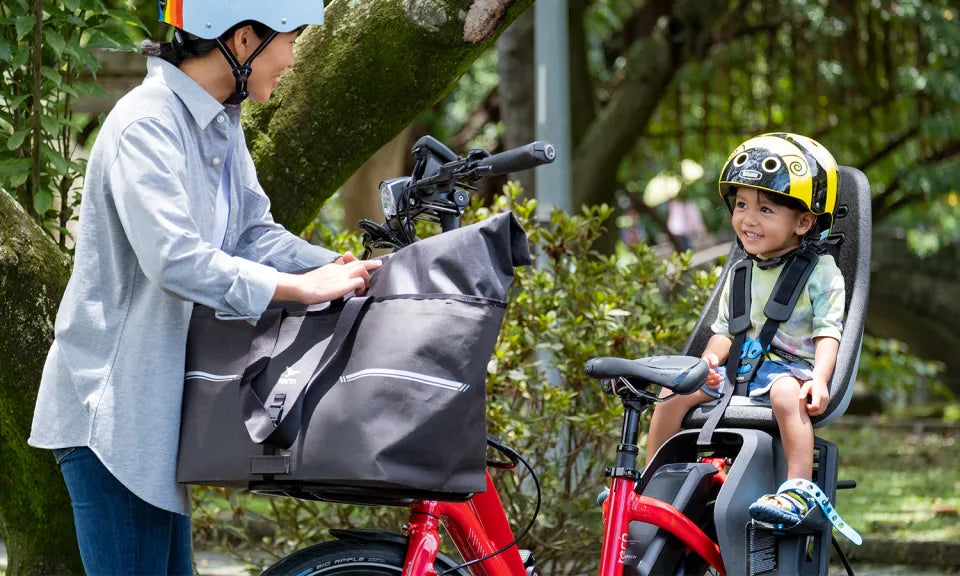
x,y
843,557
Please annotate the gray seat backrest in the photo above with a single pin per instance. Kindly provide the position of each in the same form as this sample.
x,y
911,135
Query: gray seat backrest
x,y
853,225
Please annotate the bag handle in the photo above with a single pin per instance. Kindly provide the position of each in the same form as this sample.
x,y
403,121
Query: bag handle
x,y
279,422
262,345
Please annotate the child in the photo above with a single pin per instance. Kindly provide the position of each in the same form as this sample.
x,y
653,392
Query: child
x,y
781,190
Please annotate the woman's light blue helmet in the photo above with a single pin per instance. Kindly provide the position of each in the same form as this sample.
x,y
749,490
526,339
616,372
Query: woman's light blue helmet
x,y
211,18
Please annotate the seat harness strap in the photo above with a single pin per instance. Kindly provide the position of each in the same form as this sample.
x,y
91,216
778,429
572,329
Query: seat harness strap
x,y
747,354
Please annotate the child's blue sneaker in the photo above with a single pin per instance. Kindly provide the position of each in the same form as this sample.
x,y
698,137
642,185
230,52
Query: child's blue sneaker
x,y
787,507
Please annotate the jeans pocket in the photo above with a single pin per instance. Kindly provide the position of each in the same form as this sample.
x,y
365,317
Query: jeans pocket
x,y
61,453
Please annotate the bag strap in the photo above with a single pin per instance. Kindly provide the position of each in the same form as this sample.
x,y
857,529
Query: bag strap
x,y
278,423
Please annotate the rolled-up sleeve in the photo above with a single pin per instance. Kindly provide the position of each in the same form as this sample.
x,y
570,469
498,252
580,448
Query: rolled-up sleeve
x,y
146,181
827,296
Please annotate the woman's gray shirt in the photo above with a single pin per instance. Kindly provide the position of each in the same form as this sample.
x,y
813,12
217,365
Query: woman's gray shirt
x,y
113,379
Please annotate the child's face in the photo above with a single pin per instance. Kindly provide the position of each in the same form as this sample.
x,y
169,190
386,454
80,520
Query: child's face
x,y
767,229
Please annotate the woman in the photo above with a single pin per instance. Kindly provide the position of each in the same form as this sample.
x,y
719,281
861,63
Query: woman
x,y
172,214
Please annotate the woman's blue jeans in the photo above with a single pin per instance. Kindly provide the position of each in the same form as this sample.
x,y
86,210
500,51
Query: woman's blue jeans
x,y
118,532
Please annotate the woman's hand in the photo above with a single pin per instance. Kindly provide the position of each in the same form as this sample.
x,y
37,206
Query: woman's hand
x,y
817,394
713,377
346,274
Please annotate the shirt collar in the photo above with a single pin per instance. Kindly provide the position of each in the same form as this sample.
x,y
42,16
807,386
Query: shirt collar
x,y
202,106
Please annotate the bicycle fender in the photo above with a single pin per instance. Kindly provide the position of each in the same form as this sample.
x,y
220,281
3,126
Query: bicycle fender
x,y
384,536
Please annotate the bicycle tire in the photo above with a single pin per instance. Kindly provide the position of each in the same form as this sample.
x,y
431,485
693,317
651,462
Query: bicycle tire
x,y
346,558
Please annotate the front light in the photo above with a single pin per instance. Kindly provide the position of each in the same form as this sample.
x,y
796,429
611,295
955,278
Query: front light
x,y
386,201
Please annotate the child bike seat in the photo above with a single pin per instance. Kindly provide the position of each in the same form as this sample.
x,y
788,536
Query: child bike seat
x,y
852,227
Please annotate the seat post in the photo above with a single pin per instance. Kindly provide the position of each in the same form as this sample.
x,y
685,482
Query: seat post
x,y
628,450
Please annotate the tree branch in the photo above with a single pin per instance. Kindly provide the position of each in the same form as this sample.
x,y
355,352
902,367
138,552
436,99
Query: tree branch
x,y
487,111
883,205
889,148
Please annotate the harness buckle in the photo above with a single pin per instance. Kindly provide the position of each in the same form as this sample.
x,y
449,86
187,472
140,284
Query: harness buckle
x,y
275,410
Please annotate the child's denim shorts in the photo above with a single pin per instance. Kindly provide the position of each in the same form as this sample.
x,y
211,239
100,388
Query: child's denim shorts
x,y
769,372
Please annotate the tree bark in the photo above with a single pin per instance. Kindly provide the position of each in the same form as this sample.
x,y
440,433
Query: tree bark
x,y
358,81
34,507
651,65
515,64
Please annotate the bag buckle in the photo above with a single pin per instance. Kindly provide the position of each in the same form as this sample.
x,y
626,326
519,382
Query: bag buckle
x,y
275,410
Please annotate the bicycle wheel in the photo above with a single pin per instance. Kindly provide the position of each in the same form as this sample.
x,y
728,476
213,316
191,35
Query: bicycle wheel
x,y
346,558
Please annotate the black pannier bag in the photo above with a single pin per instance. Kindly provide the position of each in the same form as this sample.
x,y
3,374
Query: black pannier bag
x,y
376,399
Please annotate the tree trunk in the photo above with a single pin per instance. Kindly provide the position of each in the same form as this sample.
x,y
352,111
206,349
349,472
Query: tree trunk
x,y
651,65
358,81
515,63
34,507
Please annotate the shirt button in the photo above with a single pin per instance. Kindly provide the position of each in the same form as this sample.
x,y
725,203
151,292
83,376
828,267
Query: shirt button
x,y
216,161
221,119
212,209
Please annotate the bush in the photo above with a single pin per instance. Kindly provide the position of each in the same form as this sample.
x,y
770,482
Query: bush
x,y
574,305
906,384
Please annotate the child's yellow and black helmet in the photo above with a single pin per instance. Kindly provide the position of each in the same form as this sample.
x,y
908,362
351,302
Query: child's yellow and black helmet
x,y
788,164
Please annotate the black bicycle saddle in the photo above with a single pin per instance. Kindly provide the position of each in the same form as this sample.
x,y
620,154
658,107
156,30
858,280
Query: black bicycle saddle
x,y
682,374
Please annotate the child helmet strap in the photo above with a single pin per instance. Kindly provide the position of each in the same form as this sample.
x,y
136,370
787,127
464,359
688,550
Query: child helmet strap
x,y
746,355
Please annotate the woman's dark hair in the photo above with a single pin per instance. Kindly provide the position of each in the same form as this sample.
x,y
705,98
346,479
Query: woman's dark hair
x,y
185,45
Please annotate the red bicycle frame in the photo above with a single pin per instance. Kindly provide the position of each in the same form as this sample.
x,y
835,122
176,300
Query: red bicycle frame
x,y
479,527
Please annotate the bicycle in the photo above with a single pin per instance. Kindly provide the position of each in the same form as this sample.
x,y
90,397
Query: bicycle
x,y
684,514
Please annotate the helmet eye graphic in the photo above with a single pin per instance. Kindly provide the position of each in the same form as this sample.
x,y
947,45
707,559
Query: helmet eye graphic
x,y
740,160
771,164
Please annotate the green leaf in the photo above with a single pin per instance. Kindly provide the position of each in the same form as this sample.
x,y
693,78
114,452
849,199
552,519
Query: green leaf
x,y
17,101
5,50
24,26
129,19
50,124
20,178
16,140
90,89
43,201
55,41
55,158
51,75
20,59
10,168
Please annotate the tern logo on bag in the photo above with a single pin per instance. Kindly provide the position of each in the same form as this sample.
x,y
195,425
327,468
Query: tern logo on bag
x,y
288,377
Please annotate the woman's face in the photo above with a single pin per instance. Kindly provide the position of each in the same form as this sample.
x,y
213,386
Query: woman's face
x,y
269,65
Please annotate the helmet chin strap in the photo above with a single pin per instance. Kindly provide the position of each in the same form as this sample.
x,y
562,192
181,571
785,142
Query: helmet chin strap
x,y
242,71
770,263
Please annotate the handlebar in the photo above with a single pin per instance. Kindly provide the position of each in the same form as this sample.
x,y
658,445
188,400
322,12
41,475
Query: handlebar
x,y
439,188
517,159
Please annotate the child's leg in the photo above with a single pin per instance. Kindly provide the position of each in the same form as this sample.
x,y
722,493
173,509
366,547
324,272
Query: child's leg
x,y
796,431
668,416
796,434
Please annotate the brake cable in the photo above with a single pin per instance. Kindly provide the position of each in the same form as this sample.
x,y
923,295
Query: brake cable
x,y
514,456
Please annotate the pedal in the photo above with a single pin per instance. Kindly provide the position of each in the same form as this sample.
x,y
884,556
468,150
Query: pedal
x,y
529,562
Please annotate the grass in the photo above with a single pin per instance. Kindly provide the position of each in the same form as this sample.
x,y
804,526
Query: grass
x,y
908,480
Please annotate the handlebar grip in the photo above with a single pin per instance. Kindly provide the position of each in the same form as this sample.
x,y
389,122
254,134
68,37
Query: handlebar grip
x,y
518,159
